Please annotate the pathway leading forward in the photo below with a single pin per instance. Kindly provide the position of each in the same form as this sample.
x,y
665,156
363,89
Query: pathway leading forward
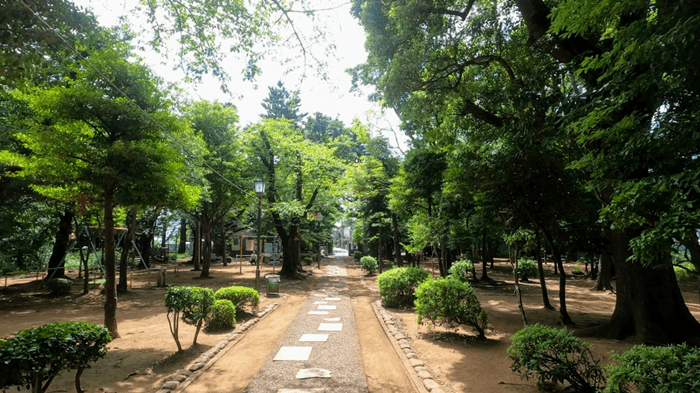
x,y
320,351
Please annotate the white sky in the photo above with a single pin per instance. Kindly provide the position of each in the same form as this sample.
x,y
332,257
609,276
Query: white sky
x,y
331,97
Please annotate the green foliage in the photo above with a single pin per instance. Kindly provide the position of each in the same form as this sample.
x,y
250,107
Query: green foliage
x,y
674,368
527,268
59,286
239,296
577,269
555,355
357,255
460,270
369,263
191,304
682,273
397,286
444,300
35,356
223,315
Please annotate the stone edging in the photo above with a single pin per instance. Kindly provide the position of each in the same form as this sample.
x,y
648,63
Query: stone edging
x,y
420,376
178,381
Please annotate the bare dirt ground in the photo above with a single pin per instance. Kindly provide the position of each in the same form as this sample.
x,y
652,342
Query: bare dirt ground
x,y
146,353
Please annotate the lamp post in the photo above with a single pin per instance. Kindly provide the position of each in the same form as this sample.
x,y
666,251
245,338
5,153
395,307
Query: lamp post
x,y
260,190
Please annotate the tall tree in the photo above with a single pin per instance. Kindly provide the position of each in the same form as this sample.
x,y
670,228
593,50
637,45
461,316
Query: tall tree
x,y
282,104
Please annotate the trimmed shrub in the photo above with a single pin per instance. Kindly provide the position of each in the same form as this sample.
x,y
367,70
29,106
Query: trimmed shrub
x,y
682,274
442,300
369,263
33,357
527,268
191,304
555,355
59,286
460,270
357,255
675,368
239,296
223,315
397,286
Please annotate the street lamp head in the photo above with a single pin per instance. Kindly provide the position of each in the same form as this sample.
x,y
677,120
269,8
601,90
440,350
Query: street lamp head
x,y
259,186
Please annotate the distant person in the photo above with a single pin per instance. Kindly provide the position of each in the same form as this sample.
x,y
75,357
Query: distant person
x,y
253,258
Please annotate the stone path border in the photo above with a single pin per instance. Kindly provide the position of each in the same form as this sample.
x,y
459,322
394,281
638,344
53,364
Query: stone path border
x,y
420,376
181,379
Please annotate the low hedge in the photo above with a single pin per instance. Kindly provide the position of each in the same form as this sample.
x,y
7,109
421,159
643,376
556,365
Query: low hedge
x,y
527,268
239,296
34,357
397,286
446,300
460,270
59,286
369,263
223,315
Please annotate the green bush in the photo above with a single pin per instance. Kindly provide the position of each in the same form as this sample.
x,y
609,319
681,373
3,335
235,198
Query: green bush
x,y
675,368
682,274
59,286
555,355
33,357
239,296
397,286
223,315
357,255
369,263
527,268
577,269
461,269
443,300
192,304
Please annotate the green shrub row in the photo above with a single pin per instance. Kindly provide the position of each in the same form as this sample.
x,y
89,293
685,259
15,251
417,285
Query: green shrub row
x,y
553,355
223,315
397,286
34,357
239,296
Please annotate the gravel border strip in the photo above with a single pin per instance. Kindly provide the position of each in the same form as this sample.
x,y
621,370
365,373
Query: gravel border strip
x,y
420,376
178,381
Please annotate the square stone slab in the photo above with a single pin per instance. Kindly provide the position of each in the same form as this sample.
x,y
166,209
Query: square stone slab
x,y
332,298
293,353
325,307
314,337
320,302
332,319
318,312
306,373
330,327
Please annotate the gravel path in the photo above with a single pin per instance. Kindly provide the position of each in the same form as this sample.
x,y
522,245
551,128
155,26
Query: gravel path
x,y
340,354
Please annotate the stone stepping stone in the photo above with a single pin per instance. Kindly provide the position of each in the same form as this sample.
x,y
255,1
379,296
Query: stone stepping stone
x,y
312,390
293,353
314,337
326,307
306,373
330,327
320,302
332,319
332,298
318,312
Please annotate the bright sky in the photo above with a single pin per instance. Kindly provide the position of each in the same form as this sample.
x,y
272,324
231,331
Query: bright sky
x,y
331,97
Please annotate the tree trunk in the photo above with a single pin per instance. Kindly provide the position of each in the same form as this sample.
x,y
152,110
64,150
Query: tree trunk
x,y
604,279
484,258
517,287
563,313
290,256
182,247
649,304
379,252
223,243
110,305
206,249
60,246
123,267
543,282
197,247
397,243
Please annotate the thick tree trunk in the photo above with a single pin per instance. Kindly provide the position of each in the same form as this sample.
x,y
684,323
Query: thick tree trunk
x,y
397,243
604,279
110,305
290,257
206,249
60,246
197,247
649,303
182,247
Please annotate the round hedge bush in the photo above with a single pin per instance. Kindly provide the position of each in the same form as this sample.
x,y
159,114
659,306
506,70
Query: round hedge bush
x,y
59,286
223,315
444,300
527,268
397,286
239,296
369,263
357,255
461,269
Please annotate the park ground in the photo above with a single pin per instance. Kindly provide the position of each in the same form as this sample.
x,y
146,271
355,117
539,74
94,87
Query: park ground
x,y
146,353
